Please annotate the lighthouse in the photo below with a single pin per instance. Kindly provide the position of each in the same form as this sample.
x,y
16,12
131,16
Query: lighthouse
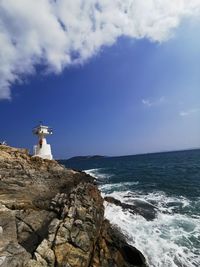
x,y
42,149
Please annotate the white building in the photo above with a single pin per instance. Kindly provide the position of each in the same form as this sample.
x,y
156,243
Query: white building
x,y
42,149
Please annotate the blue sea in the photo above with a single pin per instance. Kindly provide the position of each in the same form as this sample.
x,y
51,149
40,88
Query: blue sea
x,y
170,183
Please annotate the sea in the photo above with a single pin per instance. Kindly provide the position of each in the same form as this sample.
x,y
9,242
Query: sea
x,y
168,183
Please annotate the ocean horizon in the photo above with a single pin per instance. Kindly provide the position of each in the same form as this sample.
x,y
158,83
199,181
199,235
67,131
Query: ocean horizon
x,y
125,155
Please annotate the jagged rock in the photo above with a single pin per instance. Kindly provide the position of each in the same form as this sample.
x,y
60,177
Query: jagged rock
x,y
81,213
53,216
13,255
72,212
68,222
68,255
45,254
62,236
112,250
82,241
30,231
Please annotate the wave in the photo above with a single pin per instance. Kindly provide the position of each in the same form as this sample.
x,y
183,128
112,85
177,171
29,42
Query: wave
x,y
170,240
116,186
98,173
160,200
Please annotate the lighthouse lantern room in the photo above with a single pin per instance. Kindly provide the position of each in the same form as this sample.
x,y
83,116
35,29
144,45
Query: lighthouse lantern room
x,y
42,149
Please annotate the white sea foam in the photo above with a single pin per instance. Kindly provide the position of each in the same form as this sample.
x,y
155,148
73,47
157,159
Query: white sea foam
x,y
97,173
170,240
167,241
158,199
115,186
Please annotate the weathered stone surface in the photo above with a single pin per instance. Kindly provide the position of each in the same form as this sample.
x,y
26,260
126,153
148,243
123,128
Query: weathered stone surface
x,y
31,231
68,255
45,254
52,216
112,250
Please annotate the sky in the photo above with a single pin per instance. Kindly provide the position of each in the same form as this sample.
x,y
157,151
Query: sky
x,y
111,77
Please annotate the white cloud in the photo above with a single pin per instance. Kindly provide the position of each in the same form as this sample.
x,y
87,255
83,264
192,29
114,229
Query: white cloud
x,y
147,102
153,102
58,33
189,112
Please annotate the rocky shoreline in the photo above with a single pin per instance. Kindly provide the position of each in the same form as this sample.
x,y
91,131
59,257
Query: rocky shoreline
x,y
53,216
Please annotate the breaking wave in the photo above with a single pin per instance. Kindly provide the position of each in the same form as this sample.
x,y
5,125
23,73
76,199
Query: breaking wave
x,y
98,173
167,241
170,240
116,186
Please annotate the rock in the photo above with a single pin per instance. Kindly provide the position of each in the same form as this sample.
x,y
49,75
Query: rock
x,y
78,223
46,253
68,222
82,241
31,231
53,226
81,213
72,212
112,250
62,235
74,233
68,255
40,260
53,216
13,255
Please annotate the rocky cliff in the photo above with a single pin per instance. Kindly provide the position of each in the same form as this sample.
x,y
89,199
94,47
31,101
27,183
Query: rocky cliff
x,y
53,216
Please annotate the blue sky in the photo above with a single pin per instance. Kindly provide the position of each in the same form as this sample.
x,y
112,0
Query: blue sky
x,y
134,96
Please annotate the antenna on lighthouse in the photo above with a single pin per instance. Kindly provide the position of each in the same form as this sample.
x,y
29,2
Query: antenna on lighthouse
x,y
42,149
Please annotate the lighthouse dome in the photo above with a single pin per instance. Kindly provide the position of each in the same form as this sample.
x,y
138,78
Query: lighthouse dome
x,y
41,129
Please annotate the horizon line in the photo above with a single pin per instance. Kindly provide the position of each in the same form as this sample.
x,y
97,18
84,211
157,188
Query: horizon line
x,y
129,155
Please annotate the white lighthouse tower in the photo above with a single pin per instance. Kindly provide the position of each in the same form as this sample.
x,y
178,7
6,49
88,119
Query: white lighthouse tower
x,y
42,149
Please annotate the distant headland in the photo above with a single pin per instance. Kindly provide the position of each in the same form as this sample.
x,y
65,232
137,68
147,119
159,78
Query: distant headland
x,y
87,157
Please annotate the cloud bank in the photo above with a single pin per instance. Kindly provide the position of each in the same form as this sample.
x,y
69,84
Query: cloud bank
x,y
59,33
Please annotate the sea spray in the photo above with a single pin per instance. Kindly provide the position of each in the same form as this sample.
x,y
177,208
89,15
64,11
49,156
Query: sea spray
x,y
169,240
